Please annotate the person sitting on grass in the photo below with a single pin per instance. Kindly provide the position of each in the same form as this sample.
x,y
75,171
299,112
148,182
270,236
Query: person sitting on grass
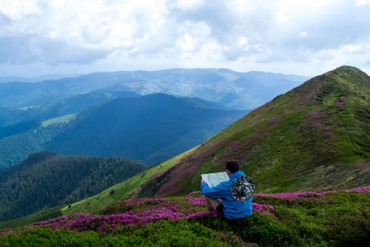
x,y
222,197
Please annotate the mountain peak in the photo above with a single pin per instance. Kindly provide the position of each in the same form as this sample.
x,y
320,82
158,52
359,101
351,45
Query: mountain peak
x,y
346,69
353,74
340,82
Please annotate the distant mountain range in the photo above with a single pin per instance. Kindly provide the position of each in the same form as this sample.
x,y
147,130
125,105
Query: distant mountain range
x,y
76,115
5,79
151,128
231,89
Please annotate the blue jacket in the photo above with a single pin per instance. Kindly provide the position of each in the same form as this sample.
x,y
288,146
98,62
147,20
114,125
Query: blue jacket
x,y
232,208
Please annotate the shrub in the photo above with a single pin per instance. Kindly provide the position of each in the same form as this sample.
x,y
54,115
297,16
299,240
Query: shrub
x,y
349,228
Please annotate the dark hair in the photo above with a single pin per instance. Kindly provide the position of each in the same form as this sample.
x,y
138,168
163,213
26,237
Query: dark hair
x,y
232,166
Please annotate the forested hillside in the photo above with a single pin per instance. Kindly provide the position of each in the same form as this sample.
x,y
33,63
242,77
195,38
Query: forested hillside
x,y
18,120
47,179
150,128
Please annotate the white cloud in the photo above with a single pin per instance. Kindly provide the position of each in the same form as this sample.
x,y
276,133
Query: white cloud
x,y
186,42
363,2
283,36
18,9
189,4
281,17
303,34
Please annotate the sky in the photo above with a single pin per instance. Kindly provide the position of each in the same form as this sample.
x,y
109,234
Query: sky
x,y
66,37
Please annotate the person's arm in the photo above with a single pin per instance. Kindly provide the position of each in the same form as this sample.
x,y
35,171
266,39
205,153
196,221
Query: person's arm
x,y
218,191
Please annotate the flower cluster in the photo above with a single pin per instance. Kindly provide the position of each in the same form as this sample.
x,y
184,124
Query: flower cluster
x,y
8,231
365,189
264,209
134,212
195,198
189,204
141,211
106,223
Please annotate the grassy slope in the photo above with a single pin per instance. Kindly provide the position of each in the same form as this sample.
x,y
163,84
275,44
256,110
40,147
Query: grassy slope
x,y
59,120
39,216
125,189
313,138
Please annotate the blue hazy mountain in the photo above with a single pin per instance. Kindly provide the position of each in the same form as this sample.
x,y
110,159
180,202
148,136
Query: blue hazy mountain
x,y
17,120
151,128
232,89
73,115
5,79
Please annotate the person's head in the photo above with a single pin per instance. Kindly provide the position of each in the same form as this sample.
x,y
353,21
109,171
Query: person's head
x,y
232,166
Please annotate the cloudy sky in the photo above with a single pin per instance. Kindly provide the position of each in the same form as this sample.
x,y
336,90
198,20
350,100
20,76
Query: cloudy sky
x,y
82,36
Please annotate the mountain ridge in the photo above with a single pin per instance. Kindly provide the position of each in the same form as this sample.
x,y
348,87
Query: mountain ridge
x,y
159,116
208,84
254,131
282,161
118,126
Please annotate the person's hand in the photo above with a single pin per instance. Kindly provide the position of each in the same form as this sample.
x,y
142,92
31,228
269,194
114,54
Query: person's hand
x,y
204,181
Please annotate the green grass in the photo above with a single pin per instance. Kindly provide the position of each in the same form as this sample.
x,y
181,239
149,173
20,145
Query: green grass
x,y
39,216
59,120
162,233
335,219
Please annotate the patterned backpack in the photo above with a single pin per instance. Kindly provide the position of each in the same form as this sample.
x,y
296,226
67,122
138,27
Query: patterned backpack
x,y
242,189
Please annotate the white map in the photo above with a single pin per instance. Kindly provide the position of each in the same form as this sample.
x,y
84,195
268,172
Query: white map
x,y
213,179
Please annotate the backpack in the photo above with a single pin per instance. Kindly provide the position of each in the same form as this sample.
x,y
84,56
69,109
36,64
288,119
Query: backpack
x,y
242,189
